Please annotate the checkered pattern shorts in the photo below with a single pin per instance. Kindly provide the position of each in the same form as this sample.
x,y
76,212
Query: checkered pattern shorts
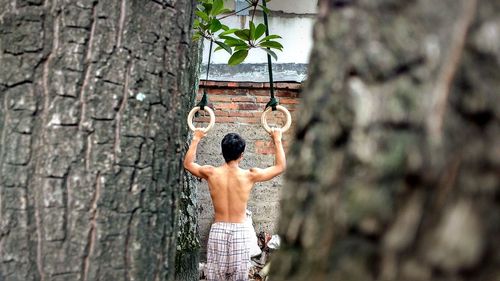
x,y
228,252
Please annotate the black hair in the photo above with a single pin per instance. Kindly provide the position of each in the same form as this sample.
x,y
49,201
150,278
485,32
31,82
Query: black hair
x,y
232,147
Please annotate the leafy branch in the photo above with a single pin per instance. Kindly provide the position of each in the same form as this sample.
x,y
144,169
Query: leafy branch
x,y
237,42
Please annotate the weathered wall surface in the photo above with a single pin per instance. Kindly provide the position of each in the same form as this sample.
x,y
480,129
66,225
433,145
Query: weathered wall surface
x,y
293,21
238,107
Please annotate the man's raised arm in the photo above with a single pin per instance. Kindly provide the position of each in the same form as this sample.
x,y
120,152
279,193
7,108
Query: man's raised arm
x,y
279,167
189,164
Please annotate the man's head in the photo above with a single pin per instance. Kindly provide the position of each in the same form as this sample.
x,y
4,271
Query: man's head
x,y
232,147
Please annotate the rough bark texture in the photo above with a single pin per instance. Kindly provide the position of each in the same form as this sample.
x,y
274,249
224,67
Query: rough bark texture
x,y
93,96
188,242
394,170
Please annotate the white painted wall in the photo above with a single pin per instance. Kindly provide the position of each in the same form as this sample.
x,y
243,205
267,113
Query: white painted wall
x,y
287,6
297,40
294,6
291,19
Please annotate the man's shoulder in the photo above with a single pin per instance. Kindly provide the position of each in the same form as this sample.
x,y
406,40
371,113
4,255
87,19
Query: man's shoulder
x,y
207,170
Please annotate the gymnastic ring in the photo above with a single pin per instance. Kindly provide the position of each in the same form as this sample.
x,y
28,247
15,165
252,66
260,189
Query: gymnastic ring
x,y
191,115
283,109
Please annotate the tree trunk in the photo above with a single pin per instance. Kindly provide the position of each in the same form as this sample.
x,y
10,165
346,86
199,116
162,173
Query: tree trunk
x,y
93,96
188,243
394,170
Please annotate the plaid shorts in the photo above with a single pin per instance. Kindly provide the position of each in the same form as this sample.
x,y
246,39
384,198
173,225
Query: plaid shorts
x,y
228,252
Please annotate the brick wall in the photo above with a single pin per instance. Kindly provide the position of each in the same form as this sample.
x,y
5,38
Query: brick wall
x,y
238,107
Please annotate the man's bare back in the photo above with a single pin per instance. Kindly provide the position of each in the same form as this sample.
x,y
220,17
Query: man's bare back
x,y
230,188
230,185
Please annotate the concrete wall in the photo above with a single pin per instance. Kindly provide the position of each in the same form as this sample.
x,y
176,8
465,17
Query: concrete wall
x,y
288,6
296,33
238,107
293,20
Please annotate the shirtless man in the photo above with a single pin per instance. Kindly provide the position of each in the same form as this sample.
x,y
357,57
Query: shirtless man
x,y
228,250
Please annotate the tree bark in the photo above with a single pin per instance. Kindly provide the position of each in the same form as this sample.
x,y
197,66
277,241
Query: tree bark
x,y
93,96
187,257
394,170
188,244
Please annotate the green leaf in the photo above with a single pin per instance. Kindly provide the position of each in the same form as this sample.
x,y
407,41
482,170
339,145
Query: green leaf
x,y
259,31
222,36
252,30
224,46
208,8
196,36
243,34
270,37
225,11
233,42
217,7
273,54
215,25
196,24
241,47
238,57
202,15
204,27
229,31
271,44
265,9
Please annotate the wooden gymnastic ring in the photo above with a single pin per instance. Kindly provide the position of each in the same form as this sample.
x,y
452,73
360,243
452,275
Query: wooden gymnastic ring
x,y
191,115
282,109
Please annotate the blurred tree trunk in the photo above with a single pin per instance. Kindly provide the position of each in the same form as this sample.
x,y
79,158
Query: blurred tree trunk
x,y
395,169
93,96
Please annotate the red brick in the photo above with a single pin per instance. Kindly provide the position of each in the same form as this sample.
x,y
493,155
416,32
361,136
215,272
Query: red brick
x,y
262,99
231,106
243,114
277,85
204,82
246,120
294,86
221,113
260,92
217,92
219,98
288,101
226,120
247,106
238,92
244,99
286,94
250,84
